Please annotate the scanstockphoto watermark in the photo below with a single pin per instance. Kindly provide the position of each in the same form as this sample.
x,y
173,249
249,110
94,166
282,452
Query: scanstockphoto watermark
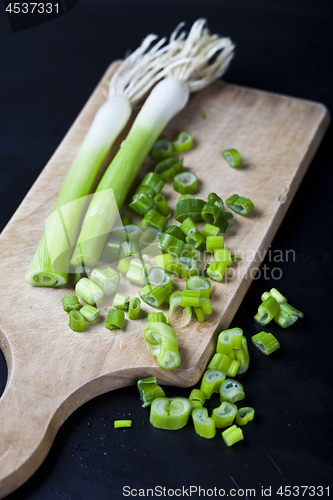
x,y
197,491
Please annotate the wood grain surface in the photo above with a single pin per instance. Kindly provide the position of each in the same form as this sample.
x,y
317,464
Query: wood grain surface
x,y
53,370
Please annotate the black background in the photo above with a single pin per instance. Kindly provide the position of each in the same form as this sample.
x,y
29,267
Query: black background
x,y
46,75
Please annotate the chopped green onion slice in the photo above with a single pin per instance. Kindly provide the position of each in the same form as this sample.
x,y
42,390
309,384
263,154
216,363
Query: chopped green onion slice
x,y
70,303
90,313
184,142
162,205
185,183
142,203
144,190
216,270
211,382
189,208
111,250
155,220
190,298
206,305
244,415
215,361
176,232
107,279
231,390
164,261
243,356
197,398
134,308
223,255
149,390
89,291
214,242
222,223
170,414
186,267
199,283
210,213
276,294
228,365
195,239
138,271
153,181
124,265
186,197
121,301
158,276
224,415
157,316
119,424
172,245
233,157
76,321
203,425
115,319
265,342
174,301
266,311
128,249
232,435
287,315
161,150
188,251
154,296
130,233
149,241
239,204
210,230
200,314
188,227
213,199
162,343
229,340
126,221
167,169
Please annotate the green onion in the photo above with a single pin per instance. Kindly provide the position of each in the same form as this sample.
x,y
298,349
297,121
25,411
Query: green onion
x,y
170,414
89,313
190,298
265,342
121,301
199,283
162,205
266,311
215,361
70,303
119,424
158,276
124,265
243,357
200,314
115,319
239,204
155,220
176,232
229,340
162,342
211,382
185,183
213,199
126,221
130,233
134,308
186,267
153,181
276,294
111,250
244,415
188,251
50,264
149,390
186,197
128,249
81,272
172,245
107,279
210,213
222,222
154,296
184,142
197,398
206,305
231,390
144,190
232,435
89,291
287,315
189,208
196,240
174,301
138,271
142,203
76,321
214,242
224,415
161,150
167,169
157,316
149,241
203,425
164,261
222,255
216,270
188,226
210,230
233,157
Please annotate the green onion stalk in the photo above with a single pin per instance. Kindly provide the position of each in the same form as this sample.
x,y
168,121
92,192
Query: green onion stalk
x,y
201,59
136,75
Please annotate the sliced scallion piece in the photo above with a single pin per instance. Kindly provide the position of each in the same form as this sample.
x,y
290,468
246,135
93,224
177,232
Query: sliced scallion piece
x,y
232,435
196,240
111,250
162,342
190,298
120,424
223,255
287,315
203,425
115,319
130,233
149,241
126,221
189,208
200,314
142,203
138,271
157,316
164,261
155,220
162,205
149,390
186,267
188,251
70,303
188,226
216,271
161,150
184,142
76,321
205,305
185,182
81,272
134,308
158,276
210,230
243,357
214,199
276,294
224,415
199,283
154,295
89,291
197,398
170,414
107,279
172,245
210,213
233,157
231,390
89,313
174,301
215,361
229,340
121,301
128,249
153,181
214,242
176,232
124,265
239,204
244,415
211,382
167,169
265,342
267,311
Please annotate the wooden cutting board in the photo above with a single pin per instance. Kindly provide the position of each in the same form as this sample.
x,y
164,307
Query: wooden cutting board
x,y
52,370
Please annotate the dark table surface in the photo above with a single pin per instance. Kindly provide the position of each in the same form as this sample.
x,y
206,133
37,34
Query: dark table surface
x,y
284,46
